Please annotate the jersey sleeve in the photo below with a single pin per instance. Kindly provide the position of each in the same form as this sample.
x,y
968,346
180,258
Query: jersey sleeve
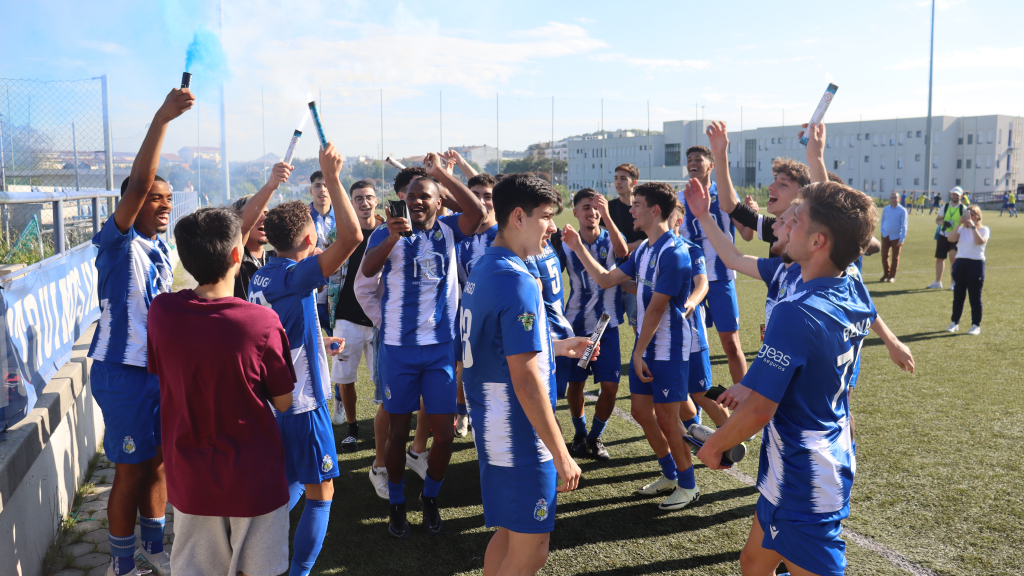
x,y
787,341
519,313
628,265
452,221
531,266
698,265
306,275
674,273
110,238
378,237
766,267
276,370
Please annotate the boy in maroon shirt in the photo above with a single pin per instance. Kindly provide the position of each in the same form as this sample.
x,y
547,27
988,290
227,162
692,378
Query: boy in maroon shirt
x,y
222,363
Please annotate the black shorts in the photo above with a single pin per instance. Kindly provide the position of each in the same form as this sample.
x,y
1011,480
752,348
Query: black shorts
x,y
942,248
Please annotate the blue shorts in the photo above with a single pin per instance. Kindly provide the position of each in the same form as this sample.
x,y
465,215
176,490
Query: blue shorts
x,y
519,498
408,372
309,451
608,365
670,382
811,541
629,307
563,368
129,398
700,372
723,310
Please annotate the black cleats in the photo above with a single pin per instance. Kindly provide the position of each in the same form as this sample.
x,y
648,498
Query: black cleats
x,y
578,448
397,526
431,515
597,449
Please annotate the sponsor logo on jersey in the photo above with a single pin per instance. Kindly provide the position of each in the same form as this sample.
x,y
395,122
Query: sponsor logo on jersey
x,y
773,357
128,445
470,286
527,319
774,530
540,511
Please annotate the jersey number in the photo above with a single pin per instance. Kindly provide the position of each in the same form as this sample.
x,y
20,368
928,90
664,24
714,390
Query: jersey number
x,y
846,361
467,350
556,276
257,298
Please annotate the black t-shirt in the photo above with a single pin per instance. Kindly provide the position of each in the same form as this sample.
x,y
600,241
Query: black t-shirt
x,y
250,264
760,224
348,307
623,221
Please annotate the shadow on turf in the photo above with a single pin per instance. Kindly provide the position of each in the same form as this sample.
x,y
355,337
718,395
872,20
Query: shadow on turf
x,y
905,338
669,566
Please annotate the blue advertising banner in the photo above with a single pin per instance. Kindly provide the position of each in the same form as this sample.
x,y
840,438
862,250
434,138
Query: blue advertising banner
x,y
45,311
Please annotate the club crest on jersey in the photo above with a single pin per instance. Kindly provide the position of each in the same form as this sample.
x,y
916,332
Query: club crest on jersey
x,y
387,392
654,262
604,252
328,464
128,445
527,320
438,235
540,512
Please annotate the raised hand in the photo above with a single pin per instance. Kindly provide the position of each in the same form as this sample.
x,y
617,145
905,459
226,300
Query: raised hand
x,y
575,347
749,201
279,175
571,238
331,161
177,102
397,225
434,164
601,205
718,138
698,201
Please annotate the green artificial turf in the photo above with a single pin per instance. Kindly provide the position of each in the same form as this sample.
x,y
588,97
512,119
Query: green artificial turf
x,y
938,476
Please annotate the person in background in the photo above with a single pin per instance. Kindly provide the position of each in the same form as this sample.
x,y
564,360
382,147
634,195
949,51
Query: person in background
x,y
894,232
1011,199
936,202
948,220
967,199
322,213
903,199
971,238
626,176
254,255
920,203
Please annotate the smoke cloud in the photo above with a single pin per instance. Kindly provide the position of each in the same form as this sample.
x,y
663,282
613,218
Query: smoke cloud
x,y
206,59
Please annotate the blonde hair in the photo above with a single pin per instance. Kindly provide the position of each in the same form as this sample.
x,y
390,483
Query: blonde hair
x,y
973,209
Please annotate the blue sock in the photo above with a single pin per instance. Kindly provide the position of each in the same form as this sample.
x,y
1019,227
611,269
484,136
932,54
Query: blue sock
x,y
295,492
431,487
460,409
122,552
309,536
690,422
580,424
337,393
668,466
686,479
597,428
152,533
396,492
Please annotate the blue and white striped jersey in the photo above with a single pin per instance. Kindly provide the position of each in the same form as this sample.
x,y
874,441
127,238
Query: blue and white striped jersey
x,y
698,325
781,281
664,268
471,249
547,267
289,288
805,365
694,232
503,314
421,285
587,300
131,270
324,224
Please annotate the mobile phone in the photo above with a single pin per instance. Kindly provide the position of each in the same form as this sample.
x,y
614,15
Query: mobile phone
x,y
398,208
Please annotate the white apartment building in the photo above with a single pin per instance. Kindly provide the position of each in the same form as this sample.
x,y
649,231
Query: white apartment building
x,y
979,153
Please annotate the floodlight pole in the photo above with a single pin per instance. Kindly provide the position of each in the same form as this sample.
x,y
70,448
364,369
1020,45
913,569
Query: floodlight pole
x,y
928,128
223,120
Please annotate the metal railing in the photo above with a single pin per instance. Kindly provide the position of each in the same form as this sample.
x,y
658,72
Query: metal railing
x,y
38,222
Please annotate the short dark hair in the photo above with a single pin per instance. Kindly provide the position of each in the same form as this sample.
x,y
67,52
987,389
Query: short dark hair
x,y
658,194
833,177
241,202
124,184
407,175
286,223
797,171
431,179
482,179
681,207
318,175
629,169
846,216
205,239
522,191
704,151
583,194
360,185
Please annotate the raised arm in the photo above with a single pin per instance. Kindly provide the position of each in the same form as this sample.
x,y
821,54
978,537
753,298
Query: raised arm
x,y
260,200
816,151
604,278
471,207
148,159
350,233
461,163
698,202
618,241
530,391
719,140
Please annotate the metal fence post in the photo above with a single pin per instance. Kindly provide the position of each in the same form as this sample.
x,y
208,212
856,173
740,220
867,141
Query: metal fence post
x,y
108,145
3,168
58,227
95,216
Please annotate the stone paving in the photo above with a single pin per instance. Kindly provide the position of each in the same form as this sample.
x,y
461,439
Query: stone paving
x,y
85,550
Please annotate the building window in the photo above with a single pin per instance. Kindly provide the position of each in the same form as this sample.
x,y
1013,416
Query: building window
x,y
881,163
867,135
935,161
988,181
917,181
917,157
918,134
970,138
673,154
935,181
977,163
997,164
968,163
899,181
910,134
899,162
959,163
1000,140
960,140
988,161
867,159
858,136
835,164
957,181
759,167
989,139
850,181
901,139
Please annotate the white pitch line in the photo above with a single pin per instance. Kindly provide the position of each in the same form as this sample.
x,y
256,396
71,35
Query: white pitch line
x,y
894,557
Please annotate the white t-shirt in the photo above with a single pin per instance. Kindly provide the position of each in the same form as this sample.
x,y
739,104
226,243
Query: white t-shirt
x,y
966,247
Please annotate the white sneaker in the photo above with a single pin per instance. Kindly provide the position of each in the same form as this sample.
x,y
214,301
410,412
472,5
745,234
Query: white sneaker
x,y
975,330
953,327
935,286
951,286
379,479
680,498
417,463
338,417
660,485
159,564
462,426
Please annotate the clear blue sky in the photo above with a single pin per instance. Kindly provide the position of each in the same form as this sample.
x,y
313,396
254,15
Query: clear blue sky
x,y
764,57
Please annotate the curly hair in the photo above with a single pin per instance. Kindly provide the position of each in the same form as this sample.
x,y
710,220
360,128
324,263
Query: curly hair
x,y
286,225
797,171
407,175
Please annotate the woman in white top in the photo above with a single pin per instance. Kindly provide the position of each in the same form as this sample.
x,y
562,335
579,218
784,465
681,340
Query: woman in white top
x,y
970,238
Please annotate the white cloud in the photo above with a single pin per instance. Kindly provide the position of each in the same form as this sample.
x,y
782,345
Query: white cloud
x,y
983,57
653,64
105,47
